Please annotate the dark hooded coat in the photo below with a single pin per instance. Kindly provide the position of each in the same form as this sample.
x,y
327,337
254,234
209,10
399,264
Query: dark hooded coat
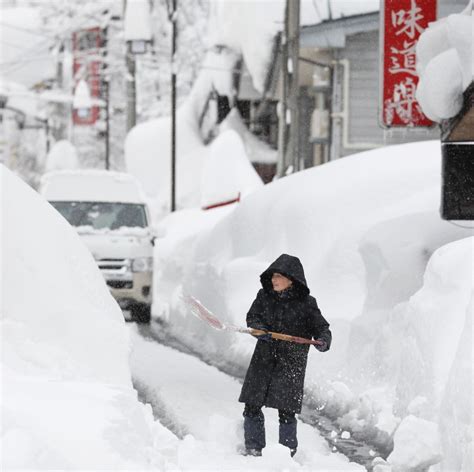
x,y
275,377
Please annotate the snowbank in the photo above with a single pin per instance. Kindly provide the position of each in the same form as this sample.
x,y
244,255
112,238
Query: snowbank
x,y
148,145
227,174
148,151
445,64
257,150
365,228
62,392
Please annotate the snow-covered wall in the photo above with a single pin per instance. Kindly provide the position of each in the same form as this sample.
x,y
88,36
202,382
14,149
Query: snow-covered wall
x,y
365,229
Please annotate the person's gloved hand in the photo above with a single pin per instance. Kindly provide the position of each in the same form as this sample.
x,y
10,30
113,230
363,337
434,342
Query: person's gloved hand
x,y
262,337
322,345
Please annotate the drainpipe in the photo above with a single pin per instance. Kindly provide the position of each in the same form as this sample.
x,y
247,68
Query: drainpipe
x,y
344,114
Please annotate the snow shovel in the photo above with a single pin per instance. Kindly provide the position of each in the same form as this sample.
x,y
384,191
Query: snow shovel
x,y
201,312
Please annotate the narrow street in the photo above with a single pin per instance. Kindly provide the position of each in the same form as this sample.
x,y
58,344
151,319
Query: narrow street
x,y
198,403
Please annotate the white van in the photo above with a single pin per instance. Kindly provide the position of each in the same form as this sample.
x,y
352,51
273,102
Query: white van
x,y
110,214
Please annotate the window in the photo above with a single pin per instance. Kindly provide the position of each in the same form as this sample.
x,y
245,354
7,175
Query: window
x,y
102,215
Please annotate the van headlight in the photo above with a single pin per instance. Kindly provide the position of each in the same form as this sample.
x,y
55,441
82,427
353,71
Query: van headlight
x,y
142,264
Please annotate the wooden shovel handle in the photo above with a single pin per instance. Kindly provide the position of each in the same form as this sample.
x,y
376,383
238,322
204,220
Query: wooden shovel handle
x,y
284,337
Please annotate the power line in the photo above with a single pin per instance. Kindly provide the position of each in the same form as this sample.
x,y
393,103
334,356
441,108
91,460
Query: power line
x,y
26,30
61,35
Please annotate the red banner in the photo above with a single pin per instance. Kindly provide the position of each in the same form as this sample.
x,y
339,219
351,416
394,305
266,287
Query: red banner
x,y
403,21
87,64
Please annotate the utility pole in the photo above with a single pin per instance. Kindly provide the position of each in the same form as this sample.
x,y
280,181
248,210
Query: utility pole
x,y
283,128
106,95
131,89
174,19
107,122
288,129
293,86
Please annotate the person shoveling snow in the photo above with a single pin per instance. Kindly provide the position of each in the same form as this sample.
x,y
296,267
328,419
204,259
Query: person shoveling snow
x,y
275,376
285,319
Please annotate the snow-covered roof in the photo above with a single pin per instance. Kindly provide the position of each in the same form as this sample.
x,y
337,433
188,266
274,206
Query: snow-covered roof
x,y
333,34
91,186
262,20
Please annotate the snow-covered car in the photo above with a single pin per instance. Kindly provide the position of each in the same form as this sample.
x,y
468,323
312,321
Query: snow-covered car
x,y
110,214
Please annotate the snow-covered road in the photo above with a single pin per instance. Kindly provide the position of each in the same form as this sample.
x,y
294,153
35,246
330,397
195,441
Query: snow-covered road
x,y
199,404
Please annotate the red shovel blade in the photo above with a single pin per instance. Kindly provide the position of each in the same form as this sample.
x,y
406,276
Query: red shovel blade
x,y
201,312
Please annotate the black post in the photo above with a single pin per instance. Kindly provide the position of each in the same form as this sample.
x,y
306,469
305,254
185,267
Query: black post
x,y
131,89
107,123
173,106
46,130
283,127
293,91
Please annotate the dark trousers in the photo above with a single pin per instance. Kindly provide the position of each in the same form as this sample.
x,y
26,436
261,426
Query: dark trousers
x,y
254,428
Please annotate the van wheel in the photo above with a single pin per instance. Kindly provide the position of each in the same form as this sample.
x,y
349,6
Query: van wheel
x,y
141,313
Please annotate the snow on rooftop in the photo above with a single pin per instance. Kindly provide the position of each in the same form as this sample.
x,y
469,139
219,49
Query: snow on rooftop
x,y
91,186
262,20
445,64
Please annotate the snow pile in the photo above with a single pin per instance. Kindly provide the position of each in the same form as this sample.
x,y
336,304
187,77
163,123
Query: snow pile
x,y
416,445
148,146
364,228
227,174
62,156
62,392
445,64
434,334
257,150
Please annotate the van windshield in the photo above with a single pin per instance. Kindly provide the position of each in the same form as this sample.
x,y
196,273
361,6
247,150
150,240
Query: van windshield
x,y
103,215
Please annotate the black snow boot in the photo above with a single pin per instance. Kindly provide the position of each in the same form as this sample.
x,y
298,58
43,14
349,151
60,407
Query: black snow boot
x,y
288,435
254,430
253,452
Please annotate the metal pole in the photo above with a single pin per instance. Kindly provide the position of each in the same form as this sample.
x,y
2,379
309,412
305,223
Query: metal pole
x,y
131,90
293,53
173,105
107,124
282,131
46,130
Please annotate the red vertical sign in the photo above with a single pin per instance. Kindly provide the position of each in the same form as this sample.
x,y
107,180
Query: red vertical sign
x,y
403,21
87,64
